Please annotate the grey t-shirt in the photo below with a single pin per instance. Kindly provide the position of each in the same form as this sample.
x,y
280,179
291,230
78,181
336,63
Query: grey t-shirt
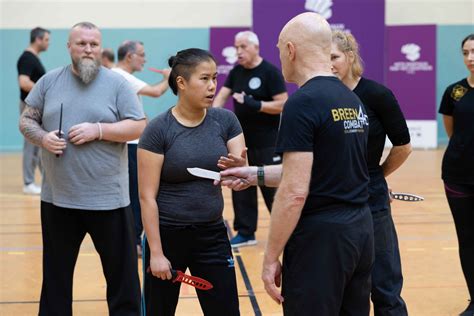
x,y
92,176
183,198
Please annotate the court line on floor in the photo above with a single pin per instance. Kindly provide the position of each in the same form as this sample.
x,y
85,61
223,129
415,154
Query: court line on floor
x,y
94,300
245,276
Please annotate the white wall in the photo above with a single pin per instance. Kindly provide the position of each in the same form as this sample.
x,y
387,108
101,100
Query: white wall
x,y
125,14
199,13
409,12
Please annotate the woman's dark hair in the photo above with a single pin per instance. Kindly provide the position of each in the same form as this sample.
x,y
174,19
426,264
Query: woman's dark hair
x,y
184,62
470,37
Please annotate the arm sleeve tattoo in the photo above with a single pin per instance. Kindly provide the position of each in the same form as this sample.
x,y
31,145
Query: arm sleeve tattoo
x,y
30,125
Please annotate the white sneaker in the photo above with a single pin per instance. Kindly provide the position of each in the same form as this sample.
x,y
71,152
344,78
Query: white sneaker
x,y
32,189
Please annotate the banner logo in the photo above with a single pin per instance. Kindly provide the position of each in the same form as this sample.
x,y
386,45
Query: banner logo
x,y
412,64
411,51
322,7
230,55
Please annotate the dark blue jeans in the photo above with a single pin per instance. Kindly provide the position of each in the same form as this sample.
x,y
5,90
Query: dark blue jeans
x,y
387,278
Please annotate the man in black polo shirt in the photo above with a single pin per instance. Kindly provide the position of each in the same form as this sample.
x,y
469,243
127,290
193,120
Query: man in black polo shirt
x,y
30,70
320,217
259,93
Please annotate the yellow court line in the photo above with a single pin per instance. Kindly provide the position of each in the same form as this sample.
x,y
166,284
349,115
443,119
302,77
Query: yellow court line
x,y
20,253
450,248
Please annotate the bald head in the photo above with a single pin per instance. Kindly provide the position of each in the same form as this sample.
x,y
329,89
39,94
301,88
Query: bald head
x,y
308,31
83,25
305,46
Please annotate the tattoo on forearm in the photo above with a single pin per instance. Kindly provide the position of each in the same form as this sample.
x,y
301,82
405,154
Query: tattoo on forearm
x,y
30,125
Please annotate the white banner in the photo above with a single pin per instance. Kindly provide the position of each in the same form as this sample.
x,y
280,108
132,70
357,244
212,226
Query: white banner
x,y
423,134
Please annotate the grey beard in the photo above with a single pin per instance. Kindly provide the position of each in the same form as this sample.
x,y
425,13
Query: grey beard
x,y
87,69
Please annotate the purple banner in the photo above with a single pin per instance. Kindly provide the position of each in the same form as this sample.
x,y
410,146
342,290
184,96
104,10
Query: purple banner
x,y
222,47
410,69
363,18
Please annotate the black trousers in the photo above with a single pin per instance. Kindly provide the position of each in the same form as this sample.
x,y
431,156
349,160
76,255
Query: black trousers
x,y
206,251
327,264
387,277
245,202
461,202
133,190
112,235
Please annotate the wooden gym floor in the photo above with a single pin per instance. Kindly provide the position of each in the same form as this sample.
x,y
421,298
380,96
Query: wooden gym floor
x,y
434,284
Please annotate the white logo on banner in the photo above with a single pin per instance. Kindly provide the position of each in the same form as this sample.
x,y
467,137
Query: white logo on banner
x,y
255,83
412,53
230,55
322,7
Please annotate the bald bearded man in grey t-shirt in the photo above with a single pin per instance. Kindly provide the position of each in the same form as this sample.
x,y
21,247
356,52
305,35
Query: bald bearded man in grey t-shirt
x,y
85,184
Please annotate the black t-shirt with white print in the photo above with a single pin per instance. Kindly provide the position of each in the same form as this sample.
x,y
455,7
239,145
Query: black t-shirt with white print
x,y
262,83
458,160
326,118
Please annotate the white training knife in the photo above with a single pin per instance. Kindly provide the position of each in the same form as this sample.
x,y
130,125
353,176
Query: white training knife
x,y
407,197
204,173
213,175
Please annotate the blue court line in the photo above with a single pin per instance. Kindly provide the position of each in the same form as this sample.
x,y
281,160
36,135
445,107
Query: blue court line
x,y
245,276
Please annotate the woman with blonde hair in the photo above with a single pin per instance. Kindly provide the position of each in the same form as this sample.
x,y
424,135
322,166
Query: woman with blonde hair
x,y
385,119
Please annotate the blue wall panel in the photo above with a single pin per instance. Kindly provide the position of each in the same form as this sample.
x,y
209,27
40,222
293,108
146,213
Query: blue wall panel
x,y
449,64
160,44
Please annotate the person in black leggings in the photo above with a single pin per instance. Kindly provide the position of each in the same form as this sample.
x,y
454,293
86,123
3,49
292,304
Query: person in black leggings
x,y
182,214
457,107
385,119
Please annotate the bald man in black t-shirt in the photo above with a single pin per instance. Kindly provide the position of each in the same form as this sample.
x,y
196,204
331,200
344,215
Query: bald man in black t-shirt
x,y
320,217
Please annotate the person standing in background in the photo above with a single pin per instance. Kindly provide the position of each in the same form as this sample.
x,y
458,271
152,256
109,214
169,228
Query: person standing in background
x,y
259,93
131,58
457,107
385,119
30,70
108,58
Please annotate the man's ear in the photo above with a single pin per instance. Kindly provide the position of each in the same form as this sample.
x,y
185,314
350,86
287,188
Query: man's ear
x,y
291,51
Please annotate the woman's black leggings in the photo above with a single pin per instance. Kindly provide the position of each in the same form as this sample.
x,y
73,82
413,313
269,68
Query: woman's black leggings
x,y
461,202
206,251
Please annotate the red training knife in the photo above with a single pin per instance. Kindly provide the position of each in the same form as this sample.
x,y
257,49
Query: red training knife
x,y
198,283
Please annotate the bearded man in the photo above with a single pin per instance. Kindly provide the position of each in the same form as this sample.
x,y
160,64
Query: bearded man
x,y
82,115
